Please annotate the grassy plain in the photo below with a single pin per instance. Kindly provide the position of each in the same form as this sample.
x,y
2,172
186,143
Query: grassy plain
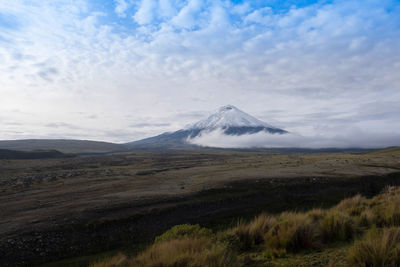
x,y
318,237
73,207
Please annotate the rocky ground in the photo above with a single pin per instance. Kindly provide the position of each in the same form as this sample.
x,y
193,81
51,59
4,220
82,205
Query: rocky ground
x,y
59,208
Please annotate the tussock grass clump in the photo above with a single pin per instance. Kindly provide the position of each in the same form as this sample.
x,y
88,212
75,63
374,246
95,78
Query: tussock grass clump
x,y
184,231
259,226
366,219
316,214
353,206
242,233
193,252
231,241
292,232
280,235
337,226
252,233
387,207
380,248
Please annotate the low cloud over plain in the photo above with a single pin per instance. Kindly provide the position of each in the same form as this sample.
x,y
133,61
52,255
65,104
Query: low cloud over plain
x,y
351,138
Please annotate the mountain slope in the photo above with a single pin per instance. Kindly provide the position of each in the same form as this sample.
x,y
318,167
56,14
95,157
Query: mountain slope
x,y
229,116
62,145
36,154
229,119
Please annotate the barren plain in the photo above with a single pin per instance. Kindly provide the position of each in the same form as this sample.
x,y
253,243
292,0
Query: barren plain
x,y
52,209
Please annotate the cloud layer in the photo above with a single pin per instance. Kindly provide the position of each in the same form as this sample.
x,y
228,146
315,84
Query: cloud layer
x,y
125,70
353,138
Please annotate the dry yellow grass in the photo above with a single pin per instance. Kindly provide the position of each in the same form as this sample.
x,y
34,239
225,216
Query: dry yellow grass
x,y
252,233
387,207
292,232
259,226
380,248
353,206
284,235
194,252
337,226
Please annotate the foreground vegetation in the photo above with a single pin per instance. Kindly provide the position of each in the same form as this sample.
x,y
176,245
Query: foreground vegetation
x,y
356,232
75,210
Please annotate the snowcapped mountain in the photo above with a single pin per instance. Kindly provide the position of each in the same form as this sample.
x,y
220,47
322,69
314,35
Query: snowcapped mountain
x,y
229,116
234,122
229,119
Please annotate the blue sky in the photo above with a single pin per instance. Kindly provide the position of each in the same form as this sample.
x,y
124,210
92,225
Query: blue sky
x,y
124,70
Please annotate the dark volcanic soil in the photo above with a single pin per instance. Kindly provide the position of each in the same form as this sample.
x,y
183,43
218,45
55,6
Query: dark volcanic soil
x,y
54,209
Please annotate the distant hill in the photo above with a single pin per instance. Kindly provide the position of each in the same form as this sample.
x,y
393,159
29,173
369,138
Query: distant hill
x,y
175,140
389,150
37,154
63,145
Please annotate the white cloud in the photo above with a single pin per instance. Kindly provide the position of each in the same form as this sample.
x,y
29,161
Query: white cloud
x,y
167,8
350,138
186,56
262,16
145,13
188,16
121,6
241,9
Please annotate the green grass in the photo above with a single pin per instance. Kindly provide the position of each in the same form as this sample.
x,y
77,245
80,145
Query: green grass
x,y
184,231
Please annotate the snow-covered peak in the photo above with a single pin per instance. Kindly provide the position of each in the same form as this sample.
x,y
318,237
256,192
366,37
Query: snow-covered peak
x,y
227,108
229,116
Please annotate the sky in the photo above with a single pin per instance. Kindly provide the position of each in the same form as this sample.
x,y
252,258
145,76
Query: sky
x,y
124,70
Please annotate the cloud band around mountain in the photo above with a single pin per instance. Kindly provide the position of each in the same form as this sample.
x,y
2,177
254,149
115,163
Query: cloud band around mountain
x,y
350,139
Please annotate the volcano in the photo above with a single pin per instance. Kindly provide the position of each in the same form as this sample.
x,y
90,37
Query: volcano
x,y
228,119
